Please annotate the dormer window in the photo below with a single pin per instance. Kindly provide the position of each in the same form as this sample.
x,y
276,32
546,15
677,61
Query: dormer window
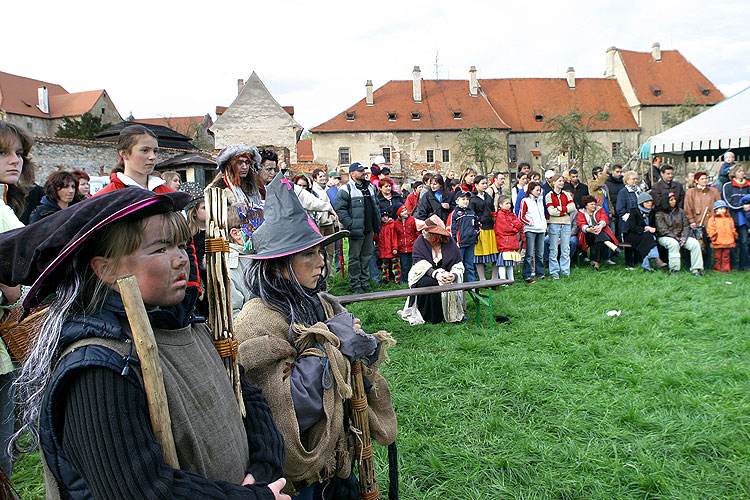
x,y
415,115
350,116
704,91
656,92
539,117
391,116
456,115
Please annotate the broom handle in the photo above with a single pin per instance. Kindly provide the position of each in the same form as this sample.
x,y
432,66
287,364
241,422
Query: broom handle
x,y
368,483
153,379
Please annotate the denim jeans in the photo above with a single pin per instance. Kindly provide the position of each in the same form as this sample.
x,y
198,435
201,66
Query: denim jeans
x,y
374,266
467,256
740,258
406,263
558,233
652,254
534,255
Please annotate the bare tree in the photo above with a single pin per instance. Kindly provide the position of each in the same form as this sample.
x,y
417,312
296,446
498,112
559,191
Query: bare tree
x,y
481,147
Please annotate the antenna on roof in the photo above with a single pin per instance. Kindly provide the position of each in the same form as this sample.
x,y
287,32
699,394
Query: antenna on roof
x,y
437,66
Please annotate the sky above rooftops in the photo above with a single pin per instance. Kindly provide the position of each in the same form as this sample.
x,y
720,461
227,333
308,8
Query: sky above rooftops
x,y
183,59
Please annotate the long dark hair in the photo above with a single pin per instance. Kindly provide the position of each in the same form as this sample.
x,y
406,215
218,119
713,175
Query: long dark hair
x,y
16,193
439,179
274,282
129,138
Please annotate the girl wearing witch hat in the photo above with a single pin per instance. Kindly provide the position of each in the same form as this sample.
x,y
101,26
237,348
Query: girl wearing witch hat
x,y
82,382
297,344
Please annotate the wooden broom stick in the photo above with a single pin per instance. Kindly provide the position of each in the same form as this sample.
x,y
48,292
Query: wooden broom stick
x,y
153,379
367,482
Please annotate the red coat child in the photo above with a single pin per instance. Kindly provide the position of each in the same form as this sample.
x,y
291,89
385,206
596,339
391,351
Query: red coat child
x,y
507,227
388,240
407,234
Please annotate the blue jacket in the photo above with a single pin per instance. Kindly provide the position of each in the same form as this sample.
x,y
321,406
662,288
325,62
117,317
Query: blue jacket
x,y
464,227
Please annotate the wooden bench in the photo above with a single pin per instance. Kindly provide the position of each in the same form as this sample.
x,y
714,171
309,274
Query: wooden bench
x,y
472,287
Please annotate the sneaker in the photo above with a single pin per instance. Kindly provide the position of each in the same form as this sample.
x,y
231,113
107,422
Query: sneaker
x,y
610,262
648,270
554,277
530,280
674,271
696,272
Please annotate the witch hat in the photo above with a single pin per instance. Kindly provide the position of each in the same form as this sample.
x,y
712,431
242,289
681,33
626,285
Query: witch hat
x,y
287,228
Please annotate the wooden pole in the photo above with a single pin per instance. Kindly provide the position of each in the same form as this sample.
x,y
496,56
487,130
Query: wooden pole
x,y
367,482
153,379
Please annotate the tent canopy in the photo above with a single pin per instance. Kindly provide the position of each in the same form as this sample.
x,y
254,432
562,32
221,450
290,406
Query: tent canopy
x,y
725,125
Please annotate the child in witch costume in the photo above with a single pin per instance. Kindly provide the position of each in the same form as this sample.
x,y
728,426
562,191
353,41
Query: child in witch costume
x,y
388,248
82,381
297,343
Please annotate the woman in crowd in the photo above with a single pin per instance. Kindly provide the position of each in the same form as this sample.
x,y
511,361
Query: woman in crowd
x,y
238,174
137,148
673,233
734,193
16,177
467,180
518,192
83,185
560,205
81,390
437,261
437,201
269,167
485,251
302,181
297,342
594,231
699,208
534,227
627,198
639,231
172,180
387,199
59,191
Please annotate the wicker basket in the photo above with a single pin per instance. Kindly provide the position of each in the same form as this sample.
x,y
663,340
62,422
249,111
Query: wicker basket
x,y
18,337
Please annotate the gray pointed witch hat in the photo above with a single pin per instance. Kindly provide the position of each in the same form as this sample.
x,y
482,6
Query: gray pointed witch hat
x,y
287,228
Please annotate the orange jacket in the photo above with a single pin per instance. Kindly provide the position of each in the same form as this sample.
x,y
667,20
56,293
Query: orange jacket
x,y
721,231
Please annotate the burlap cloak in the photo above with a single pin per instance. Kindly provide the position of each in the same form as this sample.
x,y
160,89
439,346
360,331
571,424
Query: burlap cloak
x,y
326,449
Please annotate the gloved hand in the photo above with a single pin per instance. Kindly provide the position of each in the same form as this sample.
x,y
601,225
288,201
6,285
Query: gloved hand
x,y
355,344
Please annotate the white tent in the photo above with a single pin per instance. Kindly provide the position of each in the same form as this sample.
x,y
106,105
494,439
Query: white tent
x,y
725,125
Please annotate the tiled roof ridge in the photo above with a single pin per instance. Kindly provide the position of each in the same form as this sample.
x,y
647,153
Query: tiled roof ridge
x,y
87,142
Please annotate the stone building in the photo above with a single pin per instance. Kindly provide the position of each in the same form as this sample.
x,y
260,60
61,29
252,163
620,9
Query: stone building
x,y
415,123
39,107
256,118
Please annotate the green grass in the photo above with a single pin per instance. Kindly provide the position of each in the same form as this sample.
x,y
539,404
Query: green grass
x,y
565,402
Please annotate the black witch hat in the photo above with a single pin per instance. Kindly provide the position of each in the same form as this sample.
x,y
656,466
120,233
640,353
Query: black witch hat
x,y
287,228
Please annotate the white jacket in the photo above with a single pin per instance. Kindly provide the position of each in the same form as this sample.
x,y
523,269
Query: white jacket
x,y
532,215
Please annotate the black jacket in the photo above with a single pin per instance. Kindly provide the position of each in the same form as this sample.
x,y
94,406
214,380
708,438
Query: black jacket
x,y
614,186
483,207
578,191
429,205
45,208
635,233
390,205
351,209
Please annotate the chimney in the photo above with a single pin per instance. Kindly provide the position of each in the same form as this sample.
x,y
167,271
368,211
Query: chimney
x,y
609,71
571,78
368,89
43,99
473,85
417,84
656,52
240,85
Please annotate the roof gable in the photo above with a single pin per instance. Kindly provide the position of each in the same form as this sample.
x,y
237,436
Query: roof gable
x,y
672,78
73,104
446,105
526,103
254,100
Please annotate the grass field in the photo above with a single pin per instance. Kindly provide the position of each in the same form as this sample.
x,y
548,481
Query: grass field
x,y
565,402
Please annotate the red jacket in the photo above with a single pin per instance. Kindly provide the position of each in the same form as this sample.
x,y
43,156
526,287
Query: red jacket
x,y
407,234
599,216
411,202
116,183
507,227
388,240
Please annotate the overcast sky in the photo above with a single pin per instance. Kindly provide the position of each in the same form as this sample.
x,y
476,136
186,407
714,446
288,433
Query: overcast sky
x,y
184,58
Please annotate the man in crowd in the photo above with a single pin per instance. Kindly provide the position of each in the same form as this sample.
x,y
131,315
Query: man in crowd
x,y
496,188
614,185
661,189
356,207
655,174
523,168
578,188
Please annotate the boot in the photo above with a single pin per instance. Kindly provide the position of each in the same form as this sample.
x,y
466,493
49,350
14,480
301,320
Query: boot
x,y
660,263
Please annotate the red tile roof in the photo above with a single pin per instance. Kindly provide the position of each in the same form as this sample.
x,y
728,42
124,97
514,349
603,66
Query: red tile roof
x,y
18,94
220,110
509,103
674,76
73,104
305,150
520,100
186,125
440,99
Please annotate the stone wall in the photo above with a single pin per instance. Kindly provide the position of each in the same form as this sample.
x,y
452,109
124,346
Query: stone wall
x,y
95,158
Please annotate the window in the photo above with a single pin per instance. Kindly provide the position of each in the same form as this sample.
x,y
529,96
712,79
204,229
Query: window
x,y
415,115
103,113
512,153
391,116
616,148
350,116
387,154
430,156
536,144
28,125
446,155
456,115
539,117
655,91
344,156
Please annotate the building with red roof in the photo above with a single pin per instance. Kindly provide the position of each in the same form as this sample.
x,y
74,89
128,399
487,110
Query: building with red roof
x,y
39,107
415,123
